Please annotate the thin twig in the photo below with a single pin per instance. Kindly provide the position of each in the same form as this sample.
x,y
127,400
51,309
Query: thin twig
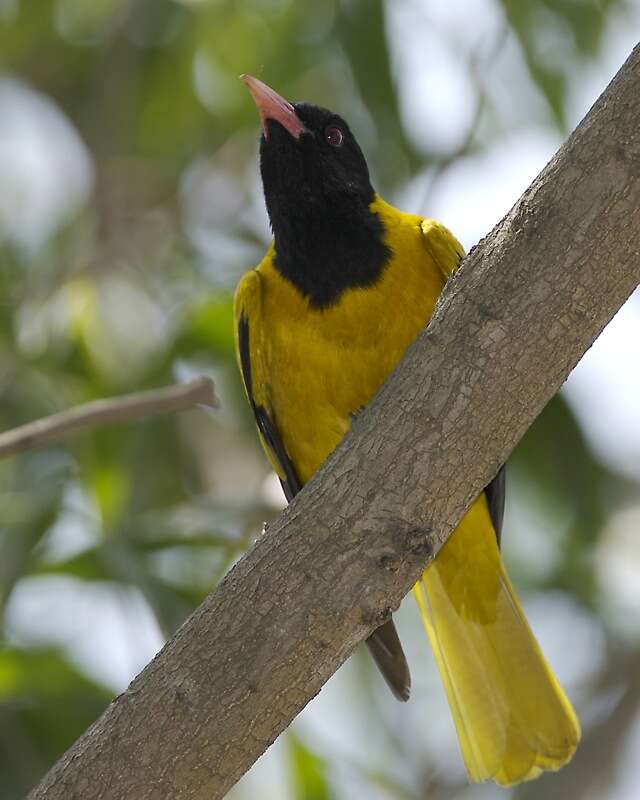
x,y
170,399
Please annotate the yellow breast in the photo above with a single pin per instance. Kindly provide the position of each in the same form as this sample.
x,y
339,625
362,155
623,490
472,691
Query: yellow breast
x,y
326,364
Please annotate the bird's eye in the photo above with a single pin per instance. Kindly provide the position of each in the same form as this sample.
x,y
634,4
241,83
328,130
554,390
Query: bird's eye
x,y
333,136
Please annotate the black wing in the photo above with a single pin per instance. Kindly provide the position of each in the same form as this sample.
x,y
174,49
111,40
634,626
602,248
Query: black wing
x,y
495,492
265,422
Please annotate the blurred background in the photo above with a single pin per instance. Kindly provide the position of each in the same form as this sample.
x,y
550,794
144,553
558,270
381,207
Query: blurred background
x,y
129,207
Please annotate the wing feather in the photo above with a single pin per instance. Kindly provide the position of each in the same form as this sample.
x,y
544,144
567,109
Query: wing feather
x,y
249,348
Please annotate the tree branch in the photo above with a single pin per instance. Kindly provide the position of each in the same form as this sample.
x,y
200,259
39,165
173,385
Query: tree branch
x,y
200,391
525,305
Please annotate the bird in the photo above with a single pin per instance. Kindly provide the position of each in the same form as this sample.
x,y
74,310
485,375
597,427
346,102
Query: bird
x,y
347,283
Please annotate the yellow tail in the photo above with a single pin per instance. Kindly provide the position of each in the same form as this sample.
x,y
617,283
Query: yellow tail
x,y
512,717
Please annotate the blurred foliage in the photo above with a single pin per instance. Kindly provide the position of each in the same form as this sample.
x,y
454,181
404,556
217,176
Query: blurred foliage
x,y
129,206
308,772
43,703
581,22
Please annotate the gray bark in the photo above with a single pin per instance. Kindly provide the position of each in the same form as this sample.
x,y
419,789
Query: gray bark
x,y
524,307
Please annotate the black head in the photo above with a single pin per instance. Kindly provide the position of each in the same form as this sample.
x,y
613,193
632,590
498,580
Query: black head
x,y
321,167
317,191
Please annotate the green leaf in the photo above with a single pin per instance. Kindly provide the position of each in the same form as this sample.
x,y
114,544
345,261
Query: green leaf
x,y
45,704
308,771
208,327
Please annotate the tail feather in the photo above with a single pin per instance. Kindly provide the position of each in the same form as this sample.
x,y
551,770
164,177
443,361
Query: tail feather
x,y
512,717
384,645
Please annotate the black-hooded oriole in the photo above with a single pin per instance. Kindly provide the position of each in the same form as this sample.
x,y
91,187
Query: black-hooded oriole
x,y
346,285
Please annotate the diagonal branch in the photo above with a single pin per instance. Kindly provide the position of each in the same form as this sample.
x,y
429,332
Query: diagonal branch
x,y
524,307
168,400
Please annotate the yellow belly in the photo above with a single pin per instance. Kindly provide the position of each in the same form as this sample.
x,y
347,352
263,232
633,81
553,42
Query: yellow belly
x,y
331,362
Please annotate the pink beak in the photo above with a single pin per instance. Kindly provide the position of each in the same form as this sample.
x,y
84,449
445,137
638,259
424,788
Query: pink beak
x,y
272,106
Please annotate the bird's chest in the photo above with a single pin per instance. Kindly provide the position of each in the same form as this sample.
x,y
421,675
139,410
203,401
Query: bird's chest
x,y
325,365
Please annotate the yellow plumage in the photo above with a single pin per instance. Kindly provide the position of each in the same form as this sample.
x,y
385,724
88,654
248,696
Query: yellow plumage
x,y
512,718
319,366
312,369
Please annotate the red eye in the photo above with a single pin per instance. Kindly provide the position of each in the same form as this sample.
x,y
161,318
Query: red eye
x,y
333,136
